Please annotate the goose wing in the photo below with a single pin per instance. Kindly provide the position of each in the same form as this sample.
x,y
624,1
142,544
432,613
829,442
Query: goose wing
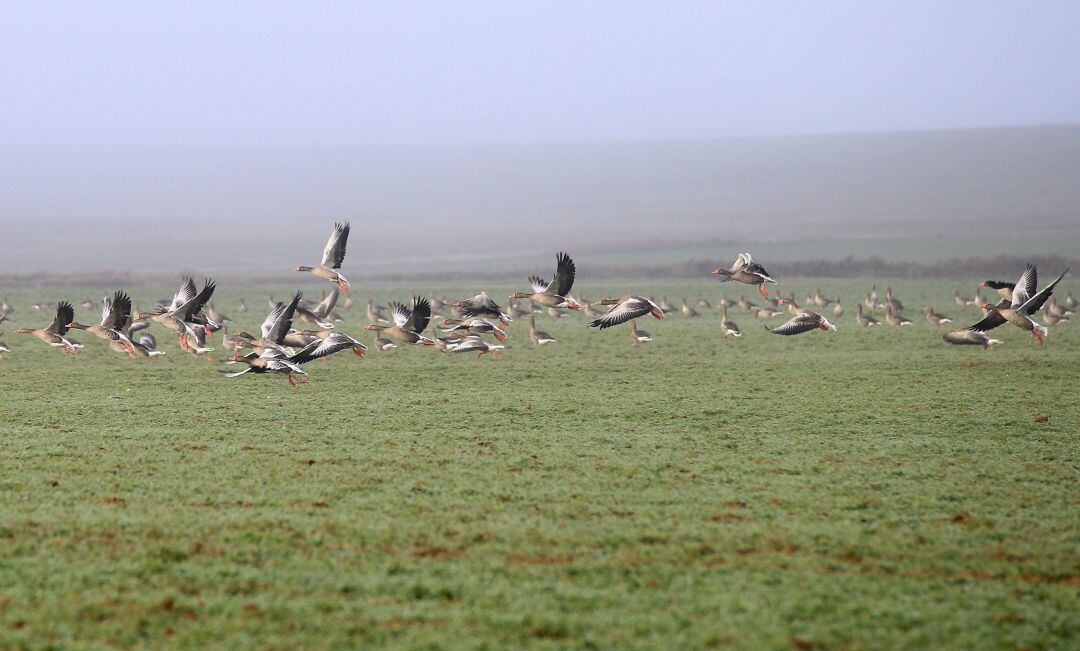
x,y
186,293
420,315
325,306
1025,287
1035,303
117,312
334,253
990,320
279,321
65,314
191,307
631,308
796,325
402,313
563,280
473,342
321,348
539,285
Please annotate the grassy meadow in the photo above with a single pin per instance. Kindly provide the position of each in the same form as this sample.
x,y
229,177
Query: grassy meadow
x,y
862,489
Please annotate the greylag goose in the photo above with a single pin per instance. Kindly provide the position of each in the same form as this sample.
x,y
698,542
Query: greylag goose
x,y
804,322
767,313
865,320
409,322
745,270
185,311
625,309
728,327
274,328
557,292
374,312
1070,302
667,308
539,337
637,336
115,313
838,311
6,308
482,306
892,317
961,301
54,333
793,307
746,305
965,337
1003,288
473,326
4,348
477,344
933,317
276,361
891,301
687,310
332,257
1025,302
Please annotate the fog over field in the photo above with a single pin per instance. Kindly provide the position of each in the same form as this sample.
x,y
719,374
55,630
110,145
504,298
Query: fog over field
x,y
249,211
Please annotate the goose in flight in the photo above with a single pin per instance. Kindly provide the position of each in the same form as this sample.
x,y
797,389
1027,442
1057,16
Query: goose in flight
x,y
332,257
409,322
745,270
54,333
273,360
626,309
1025,302
965,337
804,322
555,293
115,313
482,306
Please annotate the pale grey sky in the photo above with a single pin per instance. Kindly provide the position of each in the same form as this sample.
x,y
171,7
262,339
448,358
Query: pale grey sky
x,y
352,73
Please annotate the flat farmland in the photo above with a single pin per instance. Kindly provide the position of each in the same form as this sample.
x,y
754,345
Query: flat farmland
x,y
860,489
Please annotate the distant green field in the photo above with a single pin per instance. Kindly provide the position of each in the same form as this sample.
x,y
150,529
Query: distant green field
x,y
858,489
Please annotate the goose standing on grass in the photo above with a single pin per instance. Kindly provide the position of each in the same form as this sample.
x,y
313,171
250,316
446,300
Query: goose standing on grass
x,y
374,312
1053,320
4,348
409,322
865,320
745,270
332,257
667,308
687,310
482,306
382,344
1025,302
935,318
114,314
6,308
637,336
894,318
960,300
276,361
838,311
746,305
965,337
804,322
728,327
767,313
1070,302
54,333
539,337
557,292
241,307
1053,309
892,301
626,309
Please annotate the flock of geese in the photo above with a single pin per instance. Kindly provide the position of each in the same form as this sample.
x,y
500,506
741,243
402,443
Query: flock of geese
x,y
478,324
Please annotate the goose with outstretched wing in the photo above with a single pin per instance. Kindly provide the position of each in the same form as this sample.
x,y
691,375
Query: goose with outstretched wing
x,y
54,333
625,309
409,322
1025,303
332,257
556,292
801,323
745,270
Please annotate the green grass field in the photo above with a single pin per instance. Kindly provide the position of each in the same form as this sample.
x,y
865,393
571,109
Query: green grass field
x,y
858,489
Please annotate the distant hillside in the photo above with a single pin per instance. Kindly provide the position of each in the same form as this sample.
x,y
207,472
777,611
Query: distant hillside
x,y
459,208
